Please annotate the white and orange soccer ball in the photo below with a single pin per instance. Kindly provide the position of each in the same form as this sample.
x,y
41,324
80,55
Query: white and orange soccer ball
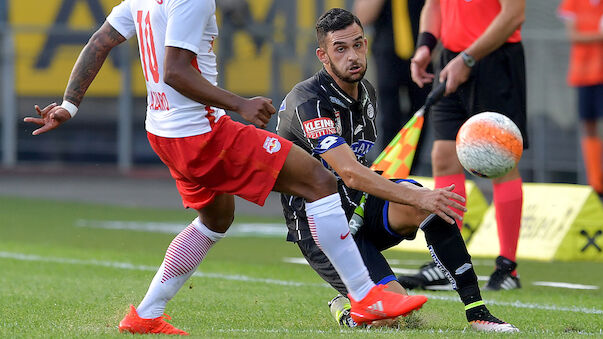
x,y
489,145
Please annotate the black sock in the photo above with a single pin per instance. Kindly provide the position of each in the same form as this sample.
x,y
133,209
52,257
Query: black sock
x,y
449,252
479,312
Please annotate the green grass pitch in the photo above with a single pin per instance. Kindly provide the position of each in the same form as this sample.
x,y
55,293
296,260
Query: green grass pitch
x,y
61,280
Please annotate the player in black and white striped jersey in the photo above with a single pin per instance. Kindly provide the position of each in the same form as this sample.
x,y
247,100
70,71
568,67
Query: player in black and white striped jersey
x,y
332,116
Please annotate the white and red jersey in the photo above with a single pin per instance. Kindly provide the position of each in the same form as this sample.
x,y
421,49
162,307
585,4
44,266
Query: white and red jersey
x,y
187,24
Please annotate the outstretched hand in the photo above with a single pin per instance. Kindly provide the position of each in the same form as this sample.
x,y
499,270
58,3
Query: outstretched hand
x,y
257,110
51,117
440,201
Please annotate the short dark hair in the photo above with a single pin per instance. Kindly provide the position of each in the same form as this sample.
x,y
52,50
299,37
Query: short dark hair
x,y
333,20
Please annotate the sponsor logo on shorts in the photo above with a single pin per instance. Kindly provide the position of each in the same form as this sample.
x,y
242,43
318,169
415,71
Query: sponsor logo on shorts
x,y
316,128
272,145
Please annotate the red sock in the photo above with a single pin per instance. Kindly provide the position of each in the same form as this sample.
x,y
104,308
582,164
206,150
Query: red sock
x,y
508,201
459,188
591,151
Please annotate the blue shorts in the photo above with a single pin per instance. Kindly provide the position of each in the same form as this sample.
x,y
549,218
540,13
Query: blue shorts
x,y
590,102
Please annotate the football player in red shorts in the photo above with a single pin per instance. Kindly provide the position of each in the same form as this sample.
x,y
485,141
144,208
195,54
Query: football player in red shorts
x,y
213,158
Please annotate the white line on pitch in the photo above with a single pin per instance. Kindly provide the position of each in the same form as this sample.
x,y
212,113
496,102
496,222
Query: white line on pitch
x,y
565,285
412,271
236,230
129,266
380,330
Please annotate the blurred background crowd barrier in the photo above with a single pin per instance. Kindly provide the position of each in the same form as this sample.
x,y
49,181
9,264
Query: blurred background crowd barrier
x,y
264,48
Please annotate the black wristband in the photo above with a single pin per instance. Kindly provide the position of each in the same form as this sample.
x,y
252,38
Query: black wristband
x,y
427,39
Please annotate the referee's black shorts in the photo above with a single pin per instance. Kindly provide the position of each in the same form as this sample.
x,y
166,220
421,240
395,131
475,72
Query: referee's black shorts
x,y
497,84
373,237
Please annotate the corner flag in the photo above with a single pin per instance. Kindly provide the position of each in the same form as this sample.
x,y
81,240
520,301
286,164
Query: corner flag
x,y
396,159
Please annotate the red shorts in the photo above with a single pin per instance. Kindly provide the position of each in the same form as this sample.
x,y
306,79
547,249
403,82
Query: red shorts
x,y
233,158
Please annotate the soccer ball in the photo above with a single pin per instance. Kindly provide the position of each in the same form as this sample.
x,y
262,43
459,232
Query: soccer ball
x,y
489,145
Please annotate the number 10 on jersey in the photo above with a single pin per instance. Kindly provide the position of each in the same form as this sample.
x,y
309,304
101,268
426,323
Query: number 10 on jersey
x,y
148,55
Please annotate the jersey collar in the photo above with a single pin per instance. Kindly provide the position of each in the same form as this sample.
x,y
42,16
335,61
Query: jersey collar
x,y
336,94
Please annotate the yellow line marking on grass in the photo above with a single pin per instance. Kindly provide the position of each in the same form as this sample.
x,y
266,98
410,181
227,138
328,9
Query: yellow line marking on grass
x,y
129,266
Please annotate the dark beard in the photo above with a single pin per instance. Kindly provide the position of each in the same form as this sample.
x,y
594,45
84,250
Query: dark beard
x,y
348,79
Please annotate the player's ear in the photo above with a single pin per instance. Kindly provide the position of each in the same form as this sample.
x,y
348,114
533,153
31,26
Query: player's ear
x,y
321,54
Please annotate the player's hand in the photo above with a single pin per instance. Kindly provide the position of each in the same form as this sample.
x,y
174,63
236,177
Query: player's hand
x,y
456,73
51,117
418,67
257,111
439,201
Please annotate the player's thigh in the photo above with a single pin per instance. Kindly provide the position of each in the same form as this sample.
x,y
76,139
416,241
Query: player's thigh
x,y
219,214
444,159
377,227
304,176
405,219
391,223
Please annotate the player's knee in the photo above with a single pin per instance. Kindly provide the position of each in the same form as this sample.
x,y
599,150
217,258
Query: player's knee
x,y
322,182
217,223
444,162
406,219
405,229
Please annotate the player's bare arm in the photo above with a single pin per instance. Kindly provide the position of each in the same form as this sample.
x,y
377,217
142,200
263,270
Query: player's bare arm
x,y
181,75
359,177
368,10
511,16
430,22
87,66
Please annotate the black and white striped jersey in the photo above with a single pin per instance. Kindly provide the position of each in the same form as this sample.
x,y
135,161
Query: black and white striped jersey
x,y
317,116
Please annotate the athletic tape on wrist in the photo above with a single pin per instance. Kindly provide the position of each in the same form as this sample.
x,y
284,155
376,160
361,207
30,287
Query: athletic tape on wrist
x,y
71,108
427,39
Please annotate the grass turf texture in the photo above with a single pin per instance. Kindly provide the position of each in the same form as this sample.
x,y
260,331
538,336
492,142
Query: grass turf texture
x,y
59,280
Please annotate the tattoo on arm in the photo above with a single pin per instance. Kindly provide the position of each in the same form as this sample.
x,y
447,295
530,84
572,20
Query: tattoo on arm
x,y
90,61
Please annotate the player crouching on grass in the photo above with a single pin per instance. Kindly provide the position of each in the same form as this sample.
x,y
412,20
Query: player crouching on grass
x,y
213,158
332,116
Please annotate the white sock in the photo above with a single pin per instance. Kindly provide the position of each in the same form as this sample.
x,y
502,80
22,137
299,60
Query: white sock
x,y
329,228
182,258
